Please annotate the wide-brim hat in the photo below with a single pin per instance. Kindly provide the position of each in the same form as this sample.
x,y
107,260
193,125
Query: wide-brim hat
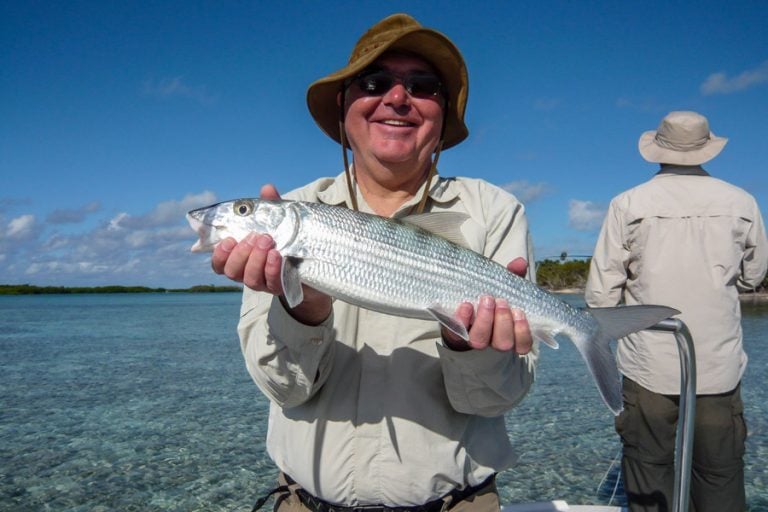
x,y
682,138
398,32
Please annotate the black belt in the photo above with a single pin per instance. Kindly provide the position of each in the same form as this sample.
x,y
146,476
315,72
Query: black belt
x,y
317,505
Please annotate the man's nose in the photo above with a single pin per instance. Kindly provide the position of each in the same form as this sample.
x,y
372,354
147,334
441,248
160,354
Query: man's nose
x,y
397,96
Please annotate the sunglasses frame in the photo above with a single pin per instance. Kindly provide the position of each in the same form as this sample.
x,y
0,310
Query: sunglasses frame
x,y
406,79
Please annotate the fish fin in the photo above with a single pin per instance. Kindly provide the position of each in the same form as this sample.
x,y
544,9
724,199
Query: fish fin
x,y
447,320
444,224
619,321
200,247
547,338
289,276
614,323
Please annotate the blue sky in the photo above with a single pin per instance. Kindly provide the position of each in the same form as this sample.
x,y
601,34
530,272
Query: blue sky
x,y
118,117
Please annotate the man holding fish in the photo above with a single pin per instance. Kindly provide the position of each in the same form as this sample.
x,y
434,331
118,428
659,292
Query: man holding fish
x,y
390,354
367,408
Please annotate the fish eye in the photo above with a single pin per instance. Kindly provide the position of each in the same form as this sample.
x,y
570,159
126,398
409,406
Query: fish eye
x,y
243,207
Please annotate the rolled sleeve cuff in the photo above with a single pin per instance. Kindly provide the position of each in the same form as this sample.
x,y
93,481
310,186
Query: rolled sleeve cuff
x,y
486,382
309,354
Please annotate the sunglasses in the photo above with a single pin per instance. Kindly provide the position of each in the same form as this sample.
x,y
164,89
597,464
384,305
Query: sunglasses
x,y
419,84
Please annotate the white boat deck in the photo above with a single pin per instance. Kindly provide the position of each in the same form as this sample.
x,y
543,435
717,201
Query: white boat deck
x,y
559,506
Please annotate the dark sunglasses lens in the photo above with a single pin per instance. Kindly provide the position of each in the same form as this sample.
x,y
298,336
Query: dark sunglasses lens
x,y
375,84
422,85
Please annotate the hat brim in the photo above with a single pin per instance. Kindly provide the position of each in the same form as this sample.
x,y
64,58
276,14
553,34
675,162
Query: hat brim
x,y
433,47
652,152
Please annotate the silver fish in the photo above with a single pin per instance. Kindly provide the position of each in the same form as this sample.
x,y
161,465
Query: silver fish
x,y
401,267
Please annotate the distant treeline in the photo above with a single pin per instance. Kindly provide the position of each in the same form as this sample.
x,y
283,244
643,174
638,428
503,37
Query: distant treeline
x,y
550,274
27,289
557,275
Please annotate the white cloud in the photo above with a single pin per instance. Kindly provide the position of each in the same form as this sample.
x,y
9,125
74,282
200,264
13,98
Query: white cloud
x,y
178,88
720,83
114,224
61,267
527,192
166,213
21,227
131,248
585,215
72,216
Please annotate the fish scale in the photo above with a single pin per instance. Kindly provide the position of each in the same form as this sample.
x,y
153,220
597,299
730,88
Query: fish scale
x,y
398,268
402,258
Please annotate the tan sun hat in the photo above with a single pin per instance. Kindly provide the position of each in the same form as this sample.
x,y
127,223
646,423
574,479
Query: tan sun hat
x,y
683,138
398,32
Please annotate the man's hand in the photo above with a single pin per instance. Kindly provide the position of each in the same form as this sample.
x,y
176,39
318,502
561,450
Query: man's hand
x,y
494,324
257,264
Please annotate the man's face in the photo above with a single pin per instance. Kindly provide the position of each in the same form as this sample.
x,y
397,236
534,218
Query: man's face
x,y
395,126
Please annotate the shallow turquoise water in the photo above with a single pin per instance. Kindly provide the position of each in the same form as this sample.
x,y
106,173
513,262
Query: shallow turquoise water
x,y
142,402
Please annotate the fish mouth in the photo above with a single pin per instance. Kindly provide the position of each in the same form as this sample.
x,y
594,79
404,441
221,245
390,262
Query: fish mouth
x,y
205,231
197,214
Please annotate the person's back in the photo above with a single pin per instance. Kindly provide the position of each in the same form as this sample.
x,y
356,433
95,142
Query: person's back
x,y
686,236
689,241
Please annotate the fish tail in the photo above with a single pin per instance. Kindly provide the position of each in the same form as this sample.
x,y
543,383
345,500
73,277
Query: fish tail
x,y
612,324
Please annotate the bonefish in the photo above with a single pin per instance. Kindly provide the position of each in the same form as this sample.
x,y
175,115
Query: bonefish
x,y
402,267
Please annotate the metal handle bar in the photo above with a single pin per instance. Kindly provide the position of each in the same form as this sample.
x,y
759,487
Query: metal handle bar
x,y
687,407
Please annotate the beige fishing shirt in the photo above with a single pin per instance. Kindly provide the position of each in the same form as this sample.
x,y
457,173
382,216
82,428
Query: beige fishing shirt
x,y
369,408
689,242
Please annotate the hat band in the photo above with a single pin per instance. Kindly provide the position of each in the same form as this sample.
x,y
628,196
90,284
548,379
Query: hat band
x,y
666,143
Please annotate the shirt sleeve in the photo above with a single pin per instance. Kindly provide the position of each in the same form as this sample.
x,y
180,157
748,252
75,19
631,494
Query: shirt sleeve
x,y
488,382
608,269
288,360
755,261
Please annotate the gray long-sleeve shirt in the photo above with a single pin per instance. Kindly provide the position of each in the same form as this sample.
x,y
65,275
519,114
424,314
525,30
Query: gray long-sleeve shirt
x,y
369,408
690,241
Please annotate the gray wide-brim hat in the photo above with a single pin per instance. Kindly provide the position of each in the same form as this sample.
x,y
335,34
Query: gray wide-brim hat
x,y
683,138
398,32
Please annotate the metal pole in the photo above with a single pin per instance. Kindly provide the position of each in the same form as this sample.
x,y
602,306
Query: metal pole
x,y
684,440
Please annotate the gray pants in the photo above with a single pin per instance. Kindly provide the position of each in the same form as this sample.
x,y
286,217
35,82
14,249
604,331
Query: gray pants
x,y
647,427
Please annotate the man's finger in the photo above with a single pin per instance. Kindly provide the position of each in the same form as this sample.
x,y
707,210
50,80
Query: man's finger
x,y
221,254
269,192
482,328
272,272
249,258
523,339
518,266
503,337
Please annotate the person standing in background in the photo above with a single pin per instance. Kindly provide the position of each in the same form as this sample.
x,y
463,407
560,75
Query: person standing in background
x,y
689,241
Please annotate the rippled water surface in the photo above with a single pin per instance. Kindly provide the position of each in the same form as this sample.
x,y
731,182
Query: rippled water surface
x,y
142,402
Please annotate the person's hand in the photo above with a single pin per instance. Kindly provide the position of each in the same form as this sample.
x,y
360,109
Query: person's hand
x,y
494,324
256,263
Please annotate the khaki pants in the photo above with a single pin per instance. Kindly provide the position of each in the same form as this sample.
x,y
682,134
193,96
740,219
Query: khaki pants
x,y
485,499
647,427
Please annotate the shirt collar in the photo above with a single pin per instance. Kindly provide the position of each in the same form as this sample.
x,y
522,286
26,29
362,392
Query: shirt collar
x,y
442,190
683,170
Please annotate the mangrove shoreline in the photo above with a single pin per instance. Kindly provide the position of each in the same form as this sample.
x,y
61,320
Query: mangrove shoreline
x,y
27,289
